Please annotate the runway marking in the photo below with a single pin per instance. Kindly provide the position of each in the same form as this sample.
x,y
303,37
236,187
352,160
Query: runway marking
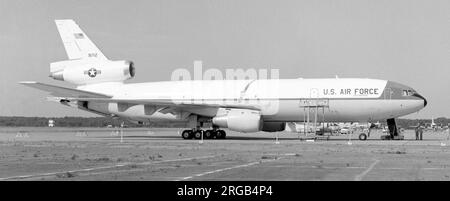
x,y
235,167
174,160
218,170
100,168
61,172
360,176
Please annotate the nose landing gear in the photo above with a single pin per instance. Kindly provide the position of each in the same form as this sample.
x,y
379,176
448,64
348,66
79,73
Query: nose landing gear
x,y
393,131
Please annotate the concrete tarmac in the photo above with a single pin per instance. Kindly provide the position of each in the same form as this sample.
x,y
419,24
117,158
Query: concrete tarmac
x,y
161,154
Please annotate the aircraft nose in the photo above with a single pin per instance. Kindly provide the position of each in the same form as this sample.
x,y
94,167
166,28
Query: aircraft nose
x,y
421,97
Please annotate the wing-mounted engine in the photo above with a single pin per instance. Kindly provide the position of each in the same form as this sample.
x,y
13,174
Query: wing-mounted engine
x,y
90,71
273,126
241,120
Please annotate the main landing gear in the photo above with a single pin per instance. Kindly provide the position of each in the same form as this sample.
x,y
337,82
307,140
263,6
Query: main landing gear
x,y
208,134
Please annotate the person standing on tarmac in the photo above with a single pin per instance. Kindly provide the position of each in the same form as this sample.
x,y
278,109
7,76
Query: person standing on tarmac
x,y
421,127
416,130
419,132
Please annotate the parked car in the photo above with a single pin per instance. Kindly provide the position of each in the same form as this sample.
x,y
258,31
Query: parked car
x,y
346,130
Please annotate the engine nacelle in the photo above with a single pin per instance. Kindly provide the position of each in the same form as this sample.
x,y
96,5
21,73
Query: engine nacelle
x,y
273,126
81,72
241,120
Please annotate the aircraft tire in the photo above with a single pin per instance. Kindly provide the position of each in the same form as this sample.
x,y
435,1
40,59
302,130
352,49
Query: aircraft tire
x,y
187,134
198,134
209,134
221,134
362,136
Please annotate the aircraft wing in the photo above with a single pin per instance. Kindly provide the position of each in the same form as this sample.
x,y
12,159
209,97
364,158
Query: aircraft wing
x,y
64,92
80,95
164,102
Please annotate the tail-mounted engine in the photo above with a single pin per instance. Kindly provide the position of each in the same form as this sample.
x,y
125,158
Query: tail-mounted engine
x,y
81,72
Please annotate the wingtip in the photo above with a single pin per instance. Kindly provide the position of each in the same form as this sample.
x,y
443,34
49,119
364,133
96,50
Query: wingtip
x,y
62,21
28,82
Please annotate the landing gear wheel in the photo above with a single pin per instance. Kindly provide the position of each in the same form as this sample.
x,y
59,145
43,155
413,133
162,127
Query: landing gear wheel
x,y
362,136
209,134
198,134
187,134
220,134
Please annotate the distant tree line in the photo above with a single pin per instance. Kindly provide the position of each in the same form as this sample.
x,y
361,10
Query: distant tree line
x,y
405,123
78,122
106,121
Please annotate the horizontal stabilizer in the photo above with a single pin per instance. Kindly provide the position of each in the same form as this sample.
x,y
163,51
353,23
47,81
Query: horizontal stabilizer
x,y
64,92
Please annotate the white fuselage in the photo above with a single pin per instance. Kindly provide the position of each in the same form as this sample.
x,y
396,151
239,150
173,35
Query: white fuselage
x,y
284,100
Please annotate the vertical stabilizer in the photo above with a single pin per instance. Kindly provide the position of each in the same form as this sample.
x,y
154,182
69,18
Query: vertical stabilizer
x,y
76,42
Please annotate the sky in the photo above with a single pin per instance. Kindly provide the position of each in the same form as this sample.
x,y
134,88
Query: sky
x,y
406,41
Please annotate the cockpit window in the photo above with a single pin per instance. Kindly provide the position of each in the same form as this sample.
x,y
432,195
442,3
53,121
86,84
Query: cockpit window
x,y
408,92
